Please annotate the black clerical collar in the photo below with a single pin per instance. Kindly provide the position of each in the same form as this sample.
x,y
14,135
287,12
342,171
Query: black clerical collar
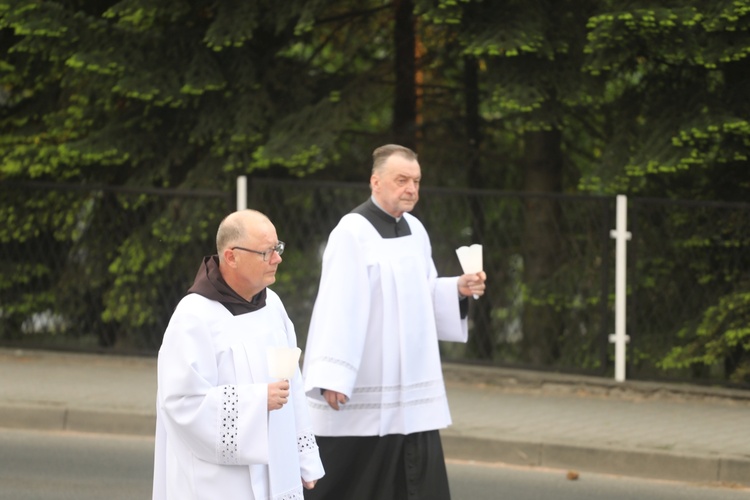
x,y
375,202
385,224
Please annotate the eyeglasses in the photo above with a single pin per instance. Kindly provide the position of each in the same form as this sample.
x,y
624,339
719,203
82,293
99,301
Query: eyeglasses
x,y
279,249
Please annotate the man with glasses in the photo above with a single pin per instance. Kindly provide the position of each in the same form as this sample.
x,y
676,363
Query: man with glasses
x,y
372,366
225,429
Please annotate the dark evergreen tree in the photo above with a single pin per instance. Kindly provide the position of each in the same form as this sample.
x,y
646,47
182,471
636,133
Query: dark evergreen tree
x,y
148,93
679,127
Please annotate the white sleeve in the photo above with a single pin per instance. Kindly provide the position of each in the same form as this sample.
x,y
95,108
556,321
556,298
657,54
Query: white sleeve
x,y
450,326
445,302
338,326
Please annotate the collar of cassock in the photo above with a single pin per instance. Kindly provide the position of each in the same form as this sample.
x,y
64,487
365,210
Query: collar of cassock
x,y
209,283
385,224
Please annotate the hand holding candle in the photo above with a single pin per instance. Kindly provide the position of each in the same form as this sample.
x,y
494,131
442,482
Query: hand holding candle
x,y
470,258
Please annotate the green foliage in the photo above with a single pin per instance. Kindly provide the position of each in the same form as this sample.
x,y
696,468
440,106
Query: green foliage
x,y
650,98
678,67
721,334
677,100
135,93
531,55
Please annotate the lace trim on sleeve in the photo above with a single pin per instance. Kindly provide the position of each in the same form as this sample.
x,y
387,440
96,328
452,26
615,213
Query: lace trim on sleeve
x,y
306,443
295,494
229,420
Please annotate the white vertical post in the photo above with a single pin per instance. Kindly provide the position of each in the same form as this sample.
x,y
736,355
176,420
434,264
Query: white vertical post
x,y
241,192
621,236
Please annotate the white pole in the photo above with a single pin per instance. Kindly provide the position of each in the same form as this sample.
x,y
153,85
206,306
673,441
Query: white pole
x,y
241,192
621,236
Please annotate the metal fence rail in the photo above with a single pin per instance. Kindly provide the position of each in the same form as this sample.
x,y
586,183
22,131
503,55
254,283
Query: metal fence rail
x,y
102,267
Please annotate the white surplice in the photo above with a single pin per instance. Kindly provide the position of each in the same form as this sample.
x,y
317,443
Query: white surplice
x,y
215,438
374,332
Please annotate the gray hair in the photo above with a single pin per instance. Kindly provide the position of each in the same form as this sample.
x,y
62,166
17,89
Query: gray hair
x,y
381,155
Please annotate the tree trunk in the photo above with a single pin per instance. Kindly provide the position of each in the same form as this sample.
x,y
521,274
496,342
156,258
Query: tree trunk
x,y
405,101
481,342
541,245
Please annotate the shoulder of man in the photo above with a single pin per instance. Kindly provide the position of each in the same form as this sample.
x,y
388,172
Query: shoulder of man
x,y
415,224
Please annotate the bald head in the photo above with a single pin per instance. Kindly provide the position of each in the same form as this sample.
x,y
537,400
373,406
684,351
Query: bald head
x,y
237,226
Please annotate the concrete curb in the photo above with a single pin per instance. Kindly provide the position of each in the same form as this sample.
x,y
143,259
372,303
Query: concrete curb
x,y
623,462
135,417
60,418
558,383
620,461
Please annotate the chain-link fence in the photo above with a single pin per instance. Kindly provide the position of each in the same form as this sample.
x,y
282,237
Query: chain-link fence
x,y
569,306
687,261
102,268
99,267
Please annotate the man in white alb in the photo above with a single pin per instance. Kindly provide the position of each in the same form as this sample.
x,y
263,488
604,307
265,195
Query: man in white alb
x,y
225,429
372,367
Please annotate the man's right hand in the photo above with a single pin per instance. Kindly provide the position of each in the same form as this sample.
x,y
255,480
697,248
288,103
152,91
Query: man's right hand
x,y
278,394
334,398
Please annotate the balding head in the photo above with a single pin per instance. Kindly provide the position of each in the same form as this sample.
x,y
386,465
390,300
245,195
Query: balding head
x,y
246,243
235,228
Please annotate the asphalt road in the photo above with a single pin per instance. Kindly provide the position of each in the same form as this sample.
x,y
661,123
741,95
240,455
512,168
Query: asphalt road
x,y
54,465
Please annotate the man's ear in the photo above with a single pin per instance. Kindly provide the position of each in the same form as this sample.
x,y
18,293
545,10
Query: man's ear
x,y
229,257
375,182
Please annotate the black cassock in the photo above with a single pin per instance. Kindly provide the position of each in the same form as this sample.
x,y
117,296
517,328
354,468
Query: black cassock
x,y
393,467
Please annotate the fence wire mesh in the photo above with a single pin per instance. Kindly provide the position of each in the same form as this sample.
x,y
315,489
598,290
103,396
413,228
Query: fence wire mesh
x,y
91,268
101,268
686,261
